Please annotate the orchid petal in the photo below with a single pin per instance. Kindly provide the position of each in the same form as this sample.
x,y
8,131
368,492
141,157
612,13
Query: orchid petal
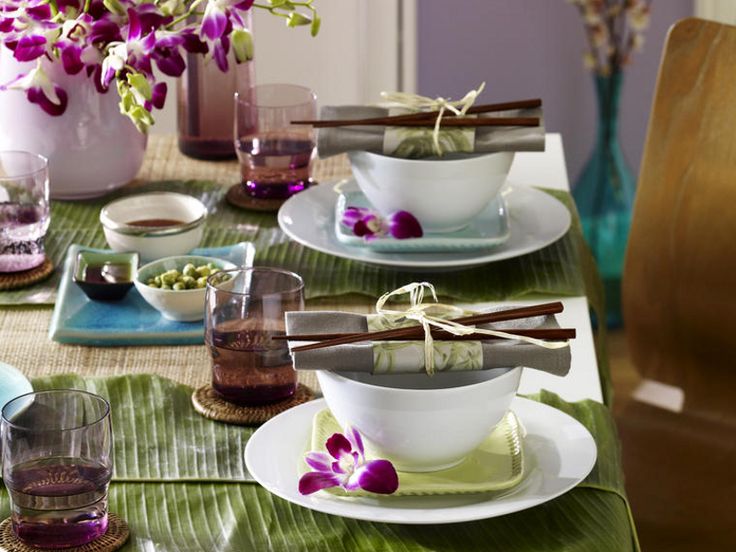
x,y
134,25
404,225
311,482
169,61
319,461
376,476
30,47
220,55
158,96
53,107
193,44
337,445
245,5
356,440
214,22
71,59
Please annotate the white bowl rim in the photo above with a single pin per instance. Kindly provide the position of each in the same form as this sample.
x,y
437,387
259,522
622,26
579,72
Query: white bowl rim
x,y
459,388
137,280
469,157
109,223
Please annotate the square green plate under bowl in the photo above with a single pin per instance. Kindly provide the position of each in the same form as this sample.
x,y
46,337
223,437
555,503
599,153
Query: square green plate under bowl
x,y
489,229
497,464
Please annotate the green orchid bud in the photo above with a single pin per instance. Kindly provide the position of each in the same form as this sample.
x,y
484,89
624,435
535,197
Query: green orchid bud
x,y
242,43
114,6
316,24
283,4
140,83
297,19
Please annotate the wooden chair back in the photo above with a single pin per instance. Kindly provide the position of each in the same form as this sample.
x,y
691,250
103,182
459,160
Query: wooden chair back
x,y
679,287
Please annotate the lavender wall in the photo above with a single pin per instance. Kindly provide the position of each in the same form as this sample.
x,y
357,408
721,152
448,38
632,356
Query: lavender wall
x,y
530,48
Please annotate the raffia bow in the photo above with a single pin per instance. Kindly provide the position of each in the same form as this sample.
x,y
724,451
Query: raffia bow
x,y
431,314
415,102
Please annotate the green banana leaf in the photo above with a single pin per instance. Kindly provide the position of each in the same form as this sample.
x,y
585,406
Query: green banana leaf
x,y
554,270
181,484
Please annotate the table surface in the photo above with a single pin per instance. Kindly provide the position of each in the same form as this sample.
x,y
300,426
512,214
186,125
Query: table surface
x,y
24,342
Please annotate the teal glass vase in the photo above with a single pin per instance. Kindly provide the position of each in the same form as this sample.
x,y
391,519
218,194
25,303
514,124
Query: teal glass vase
x,y
604,194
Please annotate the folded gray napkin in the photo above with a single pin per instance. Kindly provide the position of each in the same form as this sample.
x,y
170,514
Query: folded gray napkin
x,y
408,356
418,141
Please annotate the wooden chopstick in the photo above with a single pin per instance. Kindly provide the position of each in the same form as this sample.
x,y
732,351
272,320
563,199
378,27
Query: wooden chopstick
x,y
425,122
553,334
485,318
421,116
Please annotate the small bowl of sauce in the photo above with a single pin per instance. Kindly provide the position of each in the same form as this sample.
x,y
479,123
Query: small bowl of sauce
x,y
156,224
105,276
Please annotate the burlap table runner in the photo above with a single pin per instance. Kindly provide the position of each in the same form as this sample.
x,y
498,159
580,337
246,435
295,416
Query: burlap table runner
x,y
24,341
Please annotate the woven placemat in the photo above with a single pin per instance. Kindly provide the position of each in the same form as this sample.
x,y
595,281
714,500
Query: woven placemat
x,y
237,197
16,280
116,536
211,406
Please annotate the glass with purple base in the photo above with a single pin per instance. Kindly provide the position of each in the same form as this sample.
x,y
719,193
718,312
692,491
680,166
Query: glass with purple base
x,y
244,309
57,464
275,156
24,210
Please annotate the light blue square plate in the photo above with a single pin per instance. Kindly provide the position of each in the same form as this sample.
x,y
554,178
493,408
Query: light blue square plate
x,y
489,229
130,321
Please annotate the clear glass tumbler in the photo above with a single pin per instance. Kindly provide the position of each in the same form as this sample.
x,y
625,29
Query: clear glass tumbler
x,y
24,209
57,463
244,309
275,156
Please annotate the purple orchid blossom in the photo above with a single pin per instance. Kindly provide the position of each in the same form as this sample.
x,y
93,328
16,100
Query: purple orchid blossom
x,y
368,225
345,466
129,42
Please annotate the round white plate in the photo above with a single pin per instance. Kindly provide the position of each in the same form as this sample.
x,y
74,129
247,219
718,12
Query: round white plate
x,y
536,220
14,383
558,453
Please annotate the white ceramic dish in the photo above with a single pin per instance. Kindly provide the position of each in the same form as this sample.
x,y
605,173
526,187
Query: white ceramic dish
x,y
182,306
154,242
558,451
421,423
536,220
443,194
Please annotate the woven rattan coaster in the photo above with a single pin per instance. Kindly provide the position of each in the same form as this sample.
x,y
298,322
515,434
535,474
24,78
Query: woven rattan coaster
x,y
209,405
15,280
116,536
238,198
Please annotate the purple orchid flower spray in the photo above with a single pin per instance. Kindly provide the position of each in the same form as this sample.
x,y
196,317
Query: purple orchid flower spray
x,y
129,43
344,465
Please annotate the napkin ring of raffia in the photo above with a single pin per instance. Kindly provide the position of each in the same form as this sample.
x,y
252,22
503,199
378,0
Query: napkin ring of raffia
x,y
115,537
212,406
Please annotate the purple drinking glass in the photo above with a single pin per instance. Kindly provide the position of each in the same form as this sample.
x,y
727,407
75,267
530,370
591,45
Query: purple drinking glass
x,y
244,309
57,464
24,209
275,156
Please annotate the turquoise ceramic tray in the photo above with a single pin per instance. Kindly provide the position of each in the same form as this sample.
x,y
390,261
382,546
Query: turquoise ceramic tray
x,y
130,321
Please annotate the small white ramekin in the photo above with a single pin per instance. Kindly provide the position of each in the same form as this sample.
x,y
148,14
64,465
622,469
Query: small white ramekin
x,y
154,243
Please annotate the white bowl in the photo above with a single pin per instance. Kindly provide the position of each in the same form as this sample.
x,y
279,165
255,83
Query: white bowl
x,y
443,194
421,423
154,242
185,305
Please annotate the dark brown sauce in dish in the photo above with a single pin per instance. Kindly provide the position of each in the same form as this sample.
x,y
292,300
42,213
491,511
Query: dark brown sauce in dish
x,y
108,273
158,223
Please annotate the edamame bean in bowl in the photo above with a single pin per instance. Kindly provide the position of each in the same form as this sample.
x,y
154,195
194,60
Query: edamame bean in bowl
x,y
175,286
